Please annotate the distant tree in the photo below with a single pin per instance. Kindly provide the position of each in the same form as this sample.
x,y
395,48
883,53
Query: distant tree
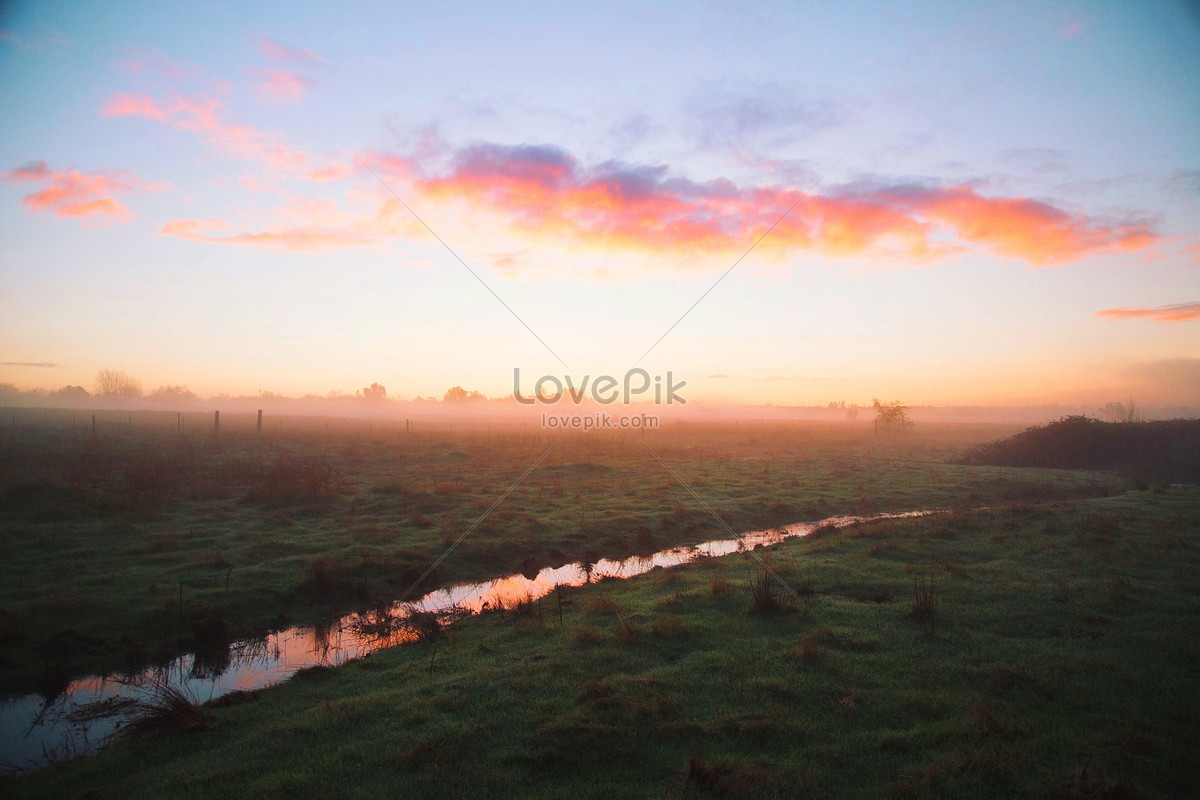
x,y
891,417
457,394
1122,412
115,383
70,393
173,394
374,392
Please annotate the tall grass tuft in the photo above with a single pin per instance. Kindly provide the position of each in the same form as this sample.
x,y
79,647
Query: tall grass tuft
x,y
425,624
925,596
762,593
721,587
167,708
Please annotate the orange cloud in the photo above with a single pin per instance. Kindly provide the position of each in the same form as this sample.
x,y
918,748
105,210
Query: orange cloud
x,y
1179,312
1027,229
544,191
280,86
80,195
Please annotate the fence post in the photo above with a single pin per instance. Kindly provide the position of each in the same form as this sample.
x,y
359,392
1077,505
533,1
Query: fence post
x,y
260,422
216,423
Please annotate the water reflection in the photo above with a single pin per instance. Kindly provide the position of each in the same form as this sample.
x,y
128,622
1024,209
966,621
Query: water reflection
x,y
35,731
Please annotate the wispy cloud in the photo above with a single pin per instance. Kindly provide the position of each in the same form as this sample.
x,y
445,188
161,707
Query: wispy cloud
x,y
775,113
80,195
1036,159
1178,312
275,50
278,86
304,225
39,364
1072,26
1183,184
307,238
152,63
47,39
205,115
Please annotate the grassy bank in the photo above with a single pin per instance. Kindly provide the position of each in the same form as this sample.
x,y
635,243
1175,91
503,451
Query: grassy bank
x,y
122,550
1161,451
1031,650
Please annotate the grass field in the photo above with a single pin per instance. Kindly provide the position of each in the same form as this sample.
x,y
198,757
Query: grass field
x,y
122,549
1036,650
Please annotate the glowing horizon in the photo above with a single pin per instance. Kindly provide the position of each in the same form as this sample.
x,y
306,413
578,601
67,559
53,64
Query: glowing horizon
x,y
225,207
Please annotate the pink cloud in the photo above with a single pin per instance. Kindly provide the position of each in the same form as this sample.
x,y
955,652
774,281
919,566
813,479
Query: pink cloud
x,y
205,116
331,172
33,171
1072,27
1179,312
1193,252
80,195
274,50
154,63
280,86
123,104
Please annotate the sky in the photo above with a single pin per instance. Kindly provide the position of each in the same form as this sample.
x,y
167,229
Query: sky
x,y
946,203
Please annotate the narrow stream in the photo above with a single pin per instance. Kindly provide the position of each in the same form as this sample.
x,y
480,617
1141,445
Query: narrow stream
x,y
35,731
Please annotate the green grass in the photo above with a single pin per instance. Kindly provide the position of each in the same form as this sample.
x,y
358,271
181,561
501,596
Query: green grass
x,y
1059,660
99,538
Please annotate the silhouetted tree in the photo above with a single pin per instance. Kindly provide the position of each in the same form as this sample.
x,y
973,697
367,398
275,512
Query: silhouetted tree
x,y
457,394
173,394
70,393
891,417
1122,412
374,392
115,383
